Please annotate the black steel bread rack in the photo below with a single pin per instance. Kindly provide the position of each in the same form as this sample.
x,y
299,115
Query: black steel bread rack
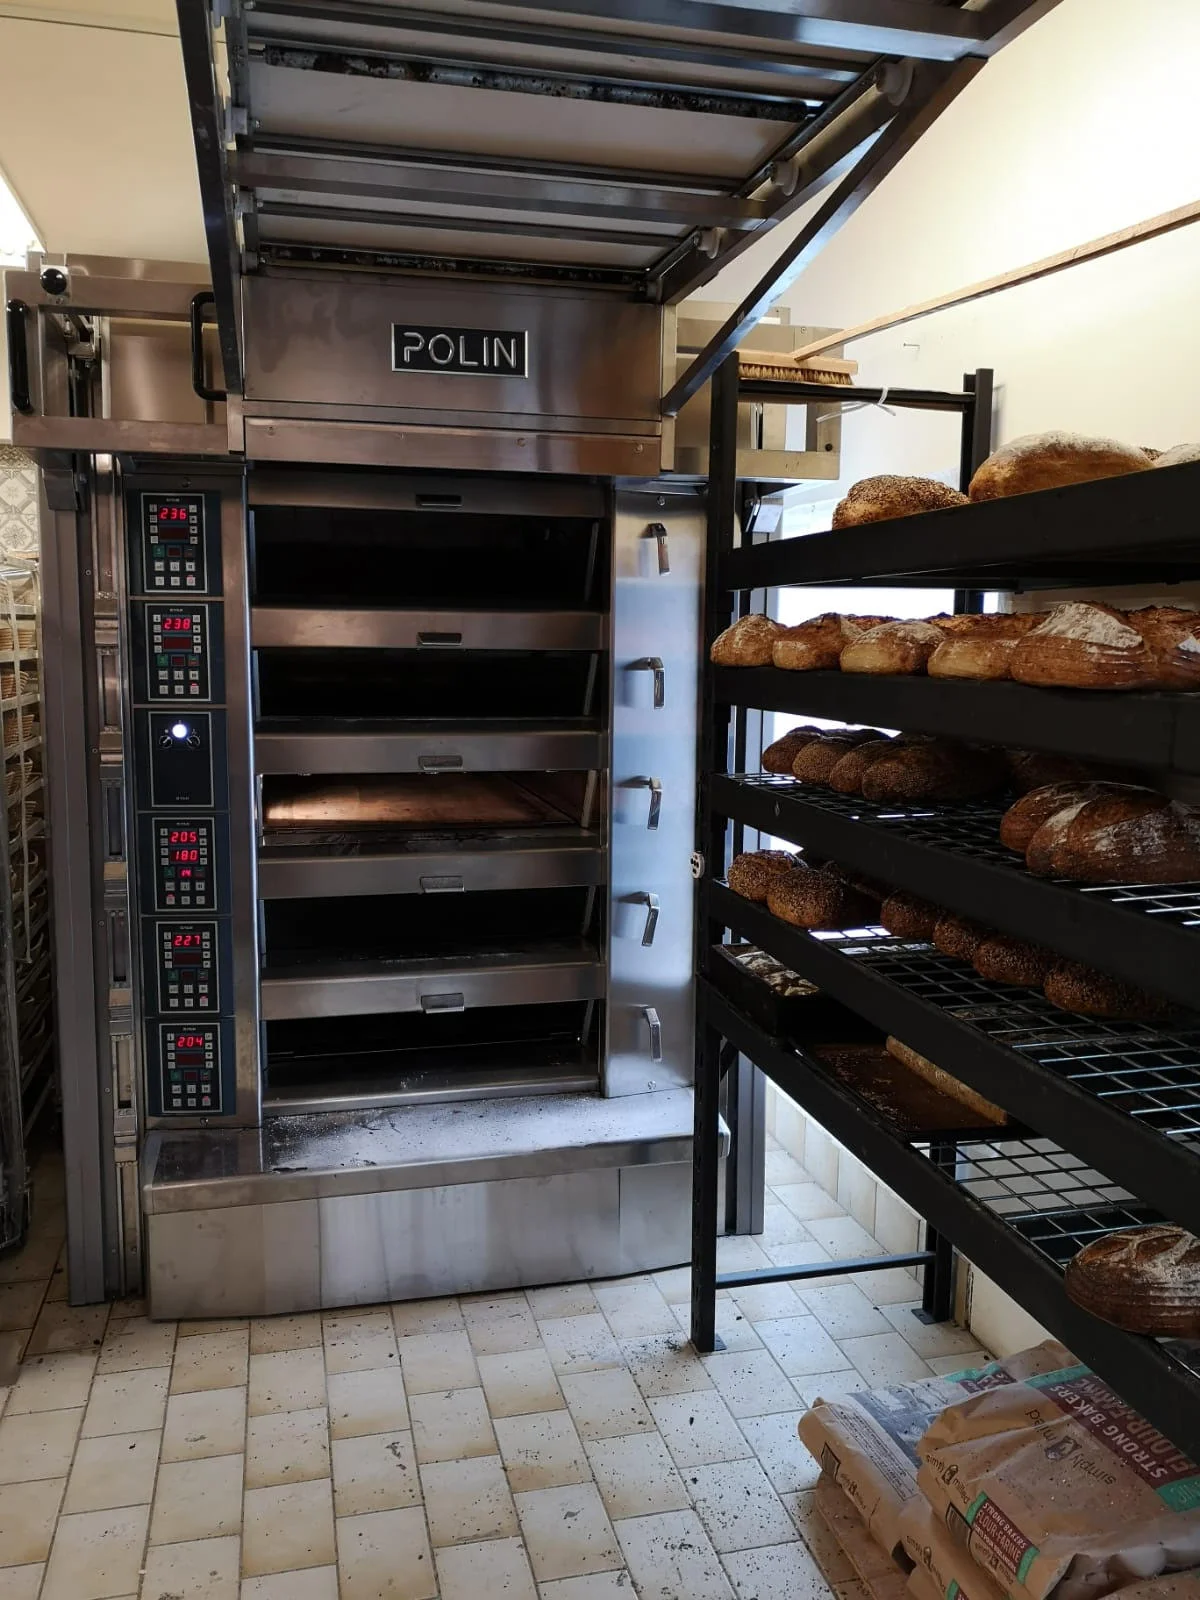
x,y
1109,1113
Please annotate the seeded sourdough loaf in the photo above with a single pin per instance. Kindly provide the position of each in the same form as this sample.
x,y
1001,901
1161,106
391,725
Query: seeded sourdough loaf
x,y
881,498
750,874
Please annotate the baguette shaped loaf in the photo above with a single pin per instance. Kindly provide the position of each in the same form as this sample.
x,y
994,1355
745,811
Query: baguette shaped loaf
x,y
984,651
881,498
893,647
1084,646
1088,993
747,643
1051,461
826,900
908,917
1003,959
778,757
1145,1280
933,770
751,873
1124,835
817,645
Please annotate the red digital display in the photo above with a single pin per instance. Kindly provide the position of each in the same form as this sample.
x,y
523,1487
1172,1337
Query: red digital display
x,y
187,941
177,624
185,873
189,1044
172,513
184,853
184,836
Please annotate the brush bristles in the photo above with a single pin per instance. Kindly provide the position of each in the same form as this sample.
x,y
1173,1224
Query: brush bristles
x,y
795,374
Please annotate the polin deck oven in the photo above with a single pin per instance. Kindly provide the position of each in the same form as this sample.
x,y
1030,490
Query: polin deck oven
x,y
382,936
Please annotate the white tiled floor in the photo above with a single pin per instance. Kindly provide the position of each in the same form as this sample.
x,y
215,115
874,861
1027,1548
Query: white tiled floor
x,y
564,1444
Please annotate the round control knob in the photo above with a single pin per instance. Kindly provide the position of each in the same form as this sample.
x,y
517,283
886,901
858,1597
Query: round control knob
x,y
54,280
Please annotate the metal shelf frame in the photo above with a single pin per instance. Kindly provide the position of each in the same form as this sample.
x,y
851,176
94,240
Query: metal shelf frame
x,y
1121,1097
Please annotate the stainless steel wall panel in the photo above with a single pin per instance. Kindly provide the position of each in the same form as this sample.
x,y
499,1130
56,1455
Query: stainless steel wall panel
x,y
656,617
239,1261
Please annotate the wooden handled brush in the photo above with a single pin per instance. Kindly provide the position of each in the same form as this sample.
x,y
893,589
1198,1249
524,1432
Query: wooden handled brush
x,y
771,367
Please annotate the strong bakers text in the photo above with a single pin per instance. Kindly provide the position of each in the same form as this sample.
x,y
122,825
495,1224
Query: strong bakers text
x,y
475,352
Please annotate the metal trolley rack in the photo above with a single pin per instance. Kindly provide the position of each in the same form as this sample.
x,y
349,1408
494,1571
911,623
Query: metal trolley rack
x,y
1110,1110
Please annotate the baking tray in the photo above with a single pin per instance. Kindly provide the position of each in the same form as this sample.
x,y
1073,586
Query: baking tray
x,y
806,1017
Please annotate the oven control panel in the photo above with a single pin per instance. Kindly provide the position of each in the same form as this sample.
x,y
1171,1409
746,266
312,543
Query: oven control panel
x,y
190,1058
184,853
173,544
177,617
187,967
175,654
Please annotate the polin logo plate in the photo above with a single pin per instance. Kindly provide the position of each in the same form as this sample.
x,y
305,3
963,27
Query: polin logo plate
x,y
461,352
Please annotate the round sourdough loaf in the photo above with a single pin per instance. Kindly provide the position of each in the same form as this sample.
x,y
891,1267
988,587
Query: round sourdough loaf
x,y
892,647
1088,993
908,917
817,645
881,498
778,757
1145,1280
982,651
1120,835
1052,461
751,873
747,643
1084,646
1003,959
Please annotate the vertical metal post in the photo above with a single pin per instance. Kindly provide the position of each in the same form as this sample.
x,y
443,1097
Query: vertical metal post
x,y
711,843
745,1177
937,1299
974,448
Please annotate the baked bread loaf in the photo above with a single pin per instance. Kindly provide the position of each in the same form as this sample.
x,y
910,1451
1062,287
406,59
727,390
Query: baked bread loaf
x,y
1051,461
984,651
1038,769
958,937
908,917
1121,835
747,643
1088,993
1172,636
948,1084
1145,1280
778,757
892,647
1023,819
818,759
1003,959
817,645
933,769
825,900
1178,455
879,499
846,776
750,874
1084,646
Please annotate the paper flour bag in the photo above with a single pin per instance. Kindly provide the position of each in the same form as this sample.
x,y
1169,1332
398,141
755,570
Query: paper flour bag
x,y
867,1443
880,1574
1057,1487
948,1568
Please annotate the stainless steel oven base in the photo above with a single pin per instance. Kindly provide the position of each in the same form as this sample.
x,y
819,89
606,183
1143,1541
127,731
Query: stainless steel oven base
x,y
428,1200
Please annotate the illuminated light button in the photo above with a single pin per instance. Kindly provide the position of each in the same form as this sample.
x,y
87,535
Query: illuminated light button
x,y
206,1100
180,730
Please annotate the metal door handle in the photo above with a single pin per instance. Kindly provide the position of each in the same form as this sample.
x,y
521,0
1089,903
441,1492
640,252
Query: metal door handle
x,y
443,1002
655,787
658,532
439,641
18,357
650,901
655,1026
440,763
442,886
653,664
196,322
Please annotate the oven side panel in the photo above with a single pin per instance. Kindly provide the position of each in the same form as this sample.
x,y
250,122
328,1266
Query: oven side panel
x,y
656,641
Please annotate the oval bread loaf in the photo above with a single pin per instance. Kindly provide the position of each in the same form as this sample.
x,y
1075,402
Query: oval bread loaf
x,y
881,498
1122,835
1023,819
825,900
818,759
747,643
983,652
1084,646
817,645
1003,959
750,874
1178,455
1088,993
1172,636
1145,1280
846,775
958,937
778,757
1052,461
907,917
933,769
893,647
